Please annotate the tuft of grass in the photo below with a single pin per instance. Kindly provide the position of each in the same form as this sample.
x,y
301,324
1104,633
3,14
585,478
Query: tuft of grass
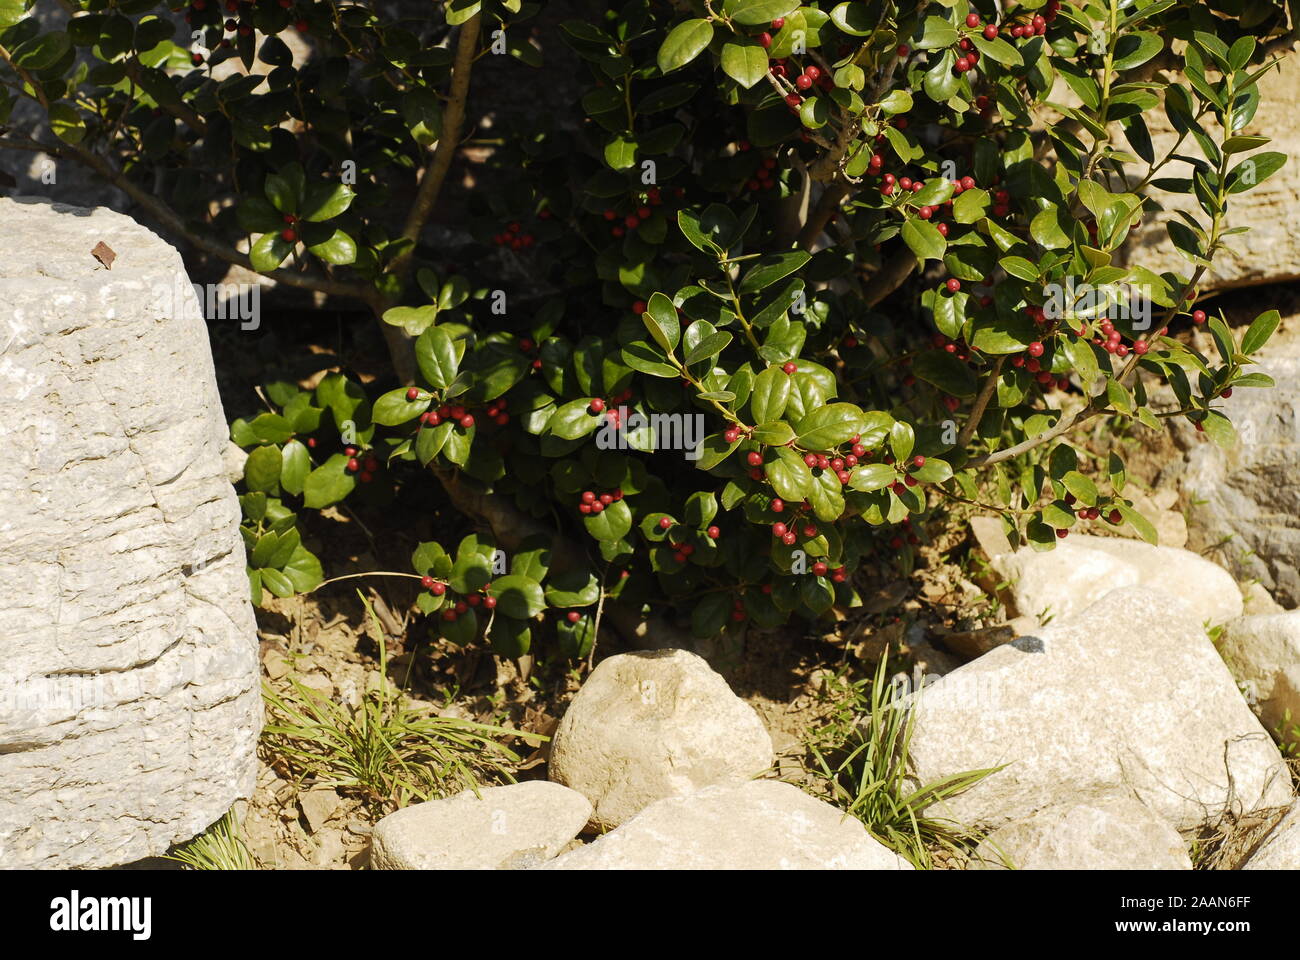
x,y
220,847
383,751
863,766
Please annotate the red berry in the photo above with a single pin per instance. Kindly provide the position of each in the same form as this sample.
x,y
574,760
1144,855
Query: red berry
x,y
353,465
1198,316
639,307
490,602
778,505
953,285
972,20
990,32
903,50
794,100
789,367
755,458
789,538
803,81
778,23
765,40
413,393
467,421
301,26
665,523
1035,349
597,405
779,529
573,616
289,235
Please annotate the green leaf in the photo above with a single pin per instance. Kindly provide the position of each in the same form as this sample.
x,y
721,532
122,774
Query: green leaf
x,y
268,252
573,588
684,43
873,476
393,408
620,153
789,475
328,484
262,469
1139,523
435,353
660,318
324,201
771,268
338,248
937,33
1261,328
66,123
510,637
611,524
829,426
754,12
574,420
518,596
295,464
770,392
924,240
745,63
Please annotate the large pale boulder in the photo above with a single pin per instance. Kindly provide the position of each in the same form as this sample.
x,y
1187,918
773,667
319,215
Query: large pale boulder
x,y
1280,849
1244,502
1263,653
1113,833
760,825
499,828
1128,696
1270,252
654,724
1081,570
129,702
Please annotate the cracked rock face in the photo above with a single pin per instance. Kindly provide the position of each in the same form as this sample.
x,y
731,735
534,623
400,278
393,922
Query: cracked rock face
x,y
129,704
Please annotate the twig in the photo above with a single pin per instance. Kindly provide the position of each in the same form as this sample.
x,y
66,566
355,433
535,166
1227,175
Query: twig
x,y
981,404
453,117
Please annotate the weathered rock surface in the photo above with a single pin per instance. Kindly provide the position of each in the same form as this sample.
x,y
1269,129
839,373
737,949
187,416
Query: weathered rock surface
x,y
1263,653
1128,696
502,828
1280,850
1270,252
129,702
1245,502
760,825
1080,570
1114,833
654,724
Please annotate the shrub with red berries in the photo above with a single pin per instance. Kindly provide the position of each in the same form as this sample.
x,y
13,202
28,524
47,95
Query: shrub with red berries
x,y
800,277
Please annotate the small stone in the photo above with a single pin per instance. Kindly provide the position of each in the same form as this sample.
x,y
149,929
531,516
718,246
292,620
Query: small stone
x,y
318,806
654,724
759,825
500,828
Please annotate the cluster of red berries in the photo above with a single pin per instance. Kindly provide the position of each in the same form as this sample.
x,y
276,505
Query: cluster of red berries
x,y
290,233
896,541
763,179
643,209
610,407
365,467
592,502
241,26
495,412
513,238
526,345
454,610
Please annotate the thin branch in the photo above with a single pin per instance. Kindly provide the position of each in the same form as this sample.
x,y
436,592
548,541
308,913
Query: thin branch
x,y
827,205
981,404
435,173
889,277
